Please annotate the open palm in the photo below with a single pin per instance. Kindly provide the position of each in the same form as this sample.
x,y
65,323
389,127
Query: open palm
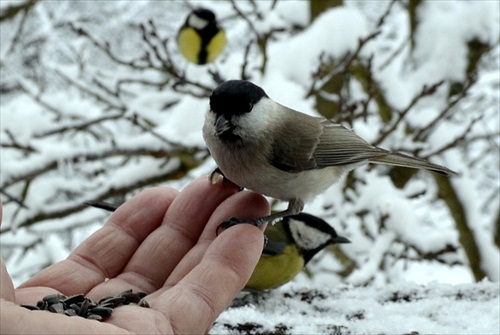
x,y
161,242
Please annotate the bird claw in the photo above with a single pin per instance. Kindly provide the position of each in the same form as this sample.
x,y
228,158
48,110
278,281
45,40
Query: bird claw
x,y
236,221
217,175
228,224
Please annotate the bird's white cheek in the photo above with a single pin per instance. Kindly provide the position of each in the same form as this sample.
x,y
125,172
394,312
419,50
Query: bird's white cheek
x,y
197,22
306,237
260,121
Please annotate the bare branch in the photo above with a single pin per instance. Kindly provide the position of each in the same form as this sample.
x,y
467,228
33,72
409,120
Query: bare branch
x,y
111,191
14,144
94,156
456,142
78,126
13,199
426,91
422,133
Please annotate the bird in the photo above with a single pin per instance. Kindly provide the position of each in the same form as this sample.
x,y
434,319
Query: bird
x,y
290,245
200,39
282,153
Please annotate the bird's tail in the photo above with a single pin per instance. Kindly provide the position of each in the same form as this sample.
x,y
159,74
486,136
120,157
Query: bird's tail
x,y
397,159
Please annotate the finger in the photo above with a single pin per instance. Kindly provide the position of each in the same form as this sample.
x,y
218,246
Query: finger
x,y
243,205
106,252
161,251
6,286
195,302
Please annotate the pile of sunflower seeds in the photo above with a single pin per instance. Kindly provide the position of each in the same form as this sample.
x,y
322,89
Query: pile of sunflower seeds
x,y
78,305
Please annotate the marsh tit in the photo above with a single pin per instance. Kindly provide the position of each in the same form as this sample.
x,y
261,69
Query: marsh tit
x,y
200,40
276,151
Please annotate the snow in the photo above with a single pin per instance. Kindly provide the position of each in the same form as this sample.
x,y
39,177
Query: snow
x,y
388,286
333,33
346,309
440,51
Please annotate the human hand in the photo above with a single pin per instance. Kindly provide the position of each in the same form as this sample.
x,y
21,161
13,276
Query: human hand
x,y
161,242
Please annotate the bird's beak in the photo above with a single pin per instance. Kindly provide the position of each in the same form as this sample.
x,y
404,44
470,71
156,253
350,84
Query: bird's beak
x,y
222,125
340,239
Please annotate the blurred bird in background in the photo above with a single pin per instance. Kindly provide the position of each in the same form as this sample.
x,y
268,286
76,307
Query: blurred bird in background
x,y
200,39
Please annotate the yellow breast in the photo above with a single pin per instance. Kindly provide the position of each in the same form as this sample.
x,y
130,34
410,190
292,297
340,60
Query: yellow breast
x,y
197,51
216,46
189,43
274,271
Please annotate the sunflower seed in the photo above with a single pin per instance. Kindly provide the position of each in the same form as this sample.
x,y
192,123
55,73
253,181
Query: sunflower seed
x,y
70,312
105,312
42,304
74,299
31,307
112,301
78,305
53,298
76,308
94,317
131,298
84,308
58,307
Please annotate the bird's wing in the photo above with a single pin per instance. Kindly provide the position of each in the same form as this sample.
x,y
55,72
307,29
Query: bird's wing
x,y
277,239
304,143
340,146
295,140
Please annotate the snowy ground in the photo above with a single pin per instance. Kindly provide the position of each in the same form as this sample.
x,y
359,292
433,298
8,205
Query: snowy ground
x,y
393,309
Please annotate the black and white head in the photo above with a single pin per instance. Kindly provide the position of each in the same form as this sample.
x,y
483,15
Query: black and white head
x,y
311,234
231,104
200,18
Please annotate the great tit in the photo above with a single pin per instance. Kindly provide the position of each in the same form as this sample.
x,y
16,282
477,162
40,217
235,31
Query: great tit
x,y
281,153
200,39
291,244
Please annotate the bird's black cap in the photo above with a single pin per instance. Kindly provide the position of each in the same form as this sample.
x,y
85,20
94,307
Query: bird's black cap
x,y
235,97
205,14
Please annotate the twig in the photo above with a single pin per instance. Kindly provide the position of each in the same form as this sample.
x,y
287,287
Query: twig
x,y
112,190
18,33
382,18
13,199
429,255
93,156
244,17
426,90
138,121
422,133
105,47
99,97
16,145
456,141
243,74
80,126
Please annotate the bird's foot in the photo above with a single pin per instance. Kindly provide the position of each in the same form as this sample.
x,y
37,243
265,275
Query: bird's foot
x,y
231,222
217,175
